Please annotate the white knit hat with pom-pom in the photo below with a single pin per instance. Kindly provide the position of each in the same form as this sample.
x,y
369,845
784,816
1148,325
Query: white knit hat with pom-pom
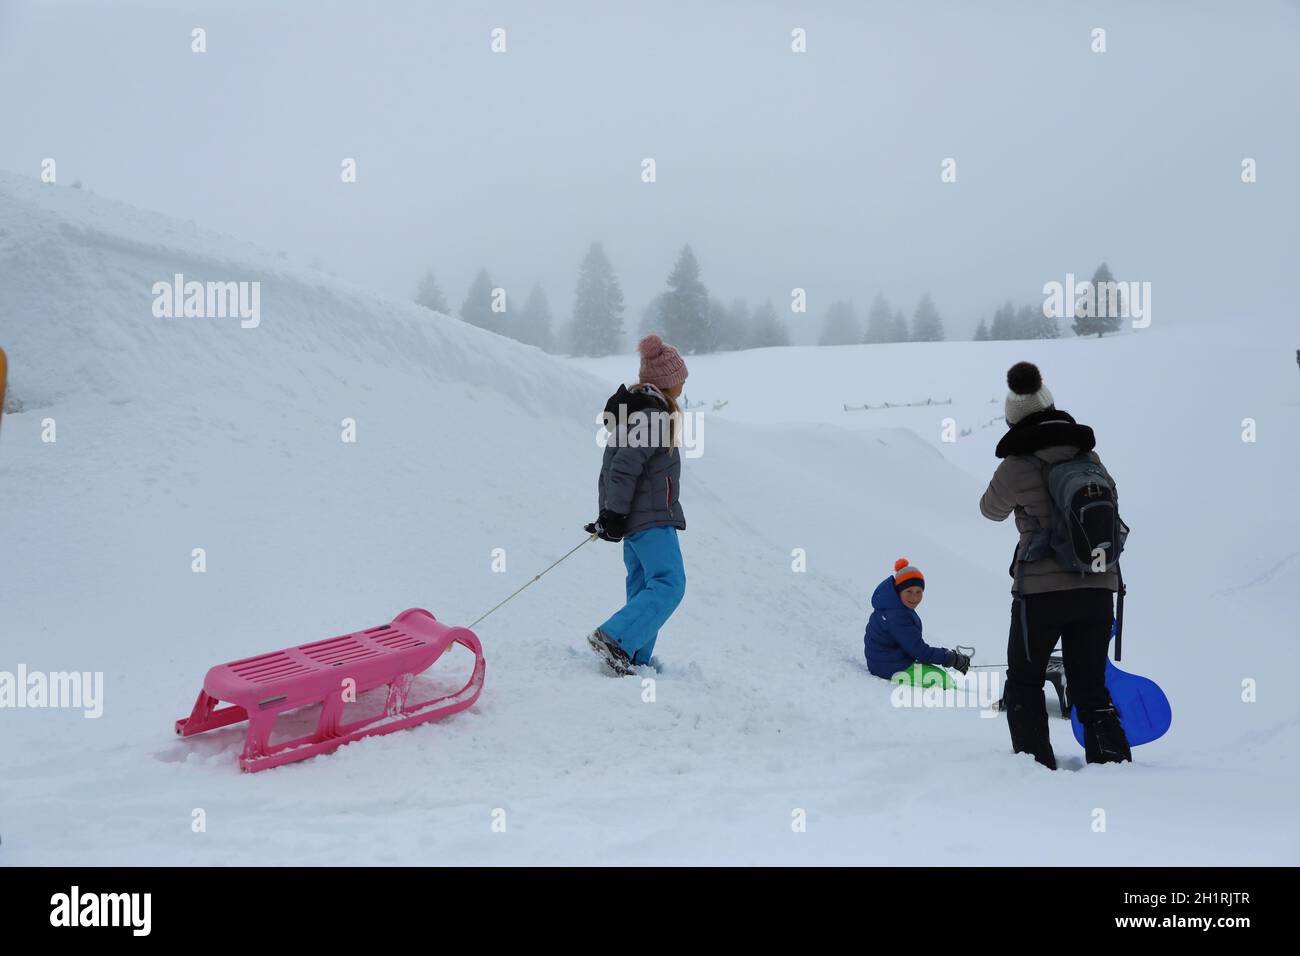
x,y
1027,393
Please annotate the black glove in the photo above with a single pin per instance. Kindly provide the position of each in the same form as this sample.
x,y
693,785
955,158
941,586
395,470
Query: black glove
x,y
958,661
610,526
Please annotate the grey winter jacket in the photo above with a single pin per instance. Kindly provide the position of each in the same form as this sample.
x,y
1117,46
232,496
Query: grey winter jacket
x,y
640,473
1045,437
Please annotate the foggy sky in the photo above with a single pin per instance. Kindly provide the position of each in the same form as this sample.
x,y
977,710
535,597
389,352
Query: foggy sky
x,y
818,170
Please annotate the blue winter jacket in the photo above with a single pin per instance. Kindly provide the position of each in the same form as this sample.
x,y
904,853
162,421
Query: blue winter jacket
x,y
893,639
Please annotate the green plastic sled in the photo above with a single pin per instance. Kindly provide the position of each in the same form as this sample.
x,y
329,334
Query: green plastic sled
x,y
924,675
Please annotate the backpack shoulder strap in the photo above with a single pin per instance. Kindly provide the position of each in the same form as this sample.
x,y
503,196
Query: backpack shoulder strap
x,y
1119,612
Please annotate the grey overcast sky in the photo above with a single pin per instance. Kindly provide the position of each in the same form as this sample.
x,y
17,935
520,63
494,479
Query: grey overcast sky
x,y
782,169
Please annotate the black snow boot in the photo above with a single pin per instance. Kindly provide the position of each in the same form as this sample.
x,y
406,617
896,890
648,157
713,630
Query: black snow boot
x,y
1027,720
1104,740
607,650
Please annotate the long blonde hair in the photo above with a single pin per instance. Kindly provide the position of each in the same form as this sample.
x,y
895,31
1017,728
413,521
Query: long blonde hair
x,y
674,416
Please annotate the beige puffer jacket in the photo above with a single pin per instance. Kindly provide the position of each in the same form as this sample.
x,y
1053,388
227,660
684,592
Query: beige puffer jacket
x,y
1018,486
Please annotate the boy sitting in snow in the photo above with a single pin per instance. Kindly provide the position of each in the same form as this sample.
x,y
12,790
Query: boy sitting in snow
x,y
893,640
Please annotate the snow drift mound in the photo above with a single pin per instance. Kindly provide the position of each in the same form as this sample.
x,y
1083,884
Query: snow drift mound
x,y
79,317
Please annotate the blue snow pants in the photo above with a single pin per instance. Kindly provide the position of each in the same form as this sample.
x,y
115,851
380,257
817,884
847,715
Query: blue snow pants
x,y
656,581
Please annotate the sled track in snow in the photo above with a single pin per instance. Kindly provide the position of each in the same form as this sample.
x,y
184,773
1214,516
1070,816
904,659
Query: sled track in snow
x,y
1263,578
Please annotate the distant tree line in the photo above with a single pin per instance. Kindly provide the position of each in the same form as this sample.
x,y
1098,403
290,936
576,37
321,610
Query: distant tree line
x,y
484,307
883,324
1033,322
696,322
684,313
1022,322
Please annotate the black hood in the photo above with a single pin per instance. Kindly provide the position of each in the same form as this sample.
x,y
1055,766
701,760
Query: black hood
x,y
1042,430
635,401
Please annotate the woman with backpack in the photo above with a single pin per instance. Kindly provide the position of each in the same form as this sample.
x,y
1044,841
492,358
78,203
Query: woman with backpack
x,y
640,477
1052,602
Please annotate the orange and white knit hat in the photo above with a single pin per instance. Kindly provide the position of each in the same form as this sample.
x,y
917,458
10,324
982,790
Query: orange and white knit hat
x,y
906,576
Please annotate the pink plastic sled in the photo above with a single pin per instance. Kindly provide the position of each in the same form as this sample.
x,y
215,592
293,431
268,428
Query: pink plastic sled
x,y
262,688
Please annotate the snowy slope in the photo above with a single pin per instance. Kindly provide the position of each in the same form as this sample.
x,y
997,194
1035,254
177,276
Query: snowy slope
x,y
175,434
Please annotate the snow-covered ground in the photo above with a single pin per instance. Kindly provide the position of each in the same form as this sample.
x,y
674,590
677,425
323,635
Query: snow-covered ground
x,y
176,434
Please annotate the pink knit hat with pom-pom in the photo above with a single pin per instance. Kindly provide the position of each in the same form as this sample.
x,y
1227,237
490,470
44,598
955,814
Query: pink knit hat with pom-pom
x,y
661,364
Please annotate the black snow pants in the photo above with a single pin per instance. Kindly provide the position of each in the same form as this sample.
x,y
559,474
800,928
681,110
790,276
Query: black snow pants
x,y
1081,620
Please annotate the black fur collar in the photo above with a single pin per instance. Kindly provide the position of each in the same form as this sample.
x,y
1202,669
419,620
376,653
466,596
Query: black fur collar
x,y
638,401
1043,430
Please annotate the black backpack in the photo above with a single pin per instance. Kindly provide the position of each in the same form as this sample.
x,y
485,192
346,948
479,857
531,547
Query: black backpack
x,y
1086,534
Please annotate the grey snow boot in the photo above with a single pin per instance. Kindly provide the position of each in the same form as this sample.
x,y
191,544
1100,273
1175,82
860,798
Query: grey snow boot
x,y
607,650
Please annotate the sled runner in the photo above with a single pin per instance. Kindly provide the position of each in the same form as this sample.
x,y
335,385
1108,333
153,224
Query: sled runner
x,y
332,673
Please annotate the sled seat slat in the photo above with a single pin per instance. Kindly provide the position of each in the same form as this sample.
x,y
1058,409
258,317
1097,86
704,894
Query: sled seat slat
x,y
260,688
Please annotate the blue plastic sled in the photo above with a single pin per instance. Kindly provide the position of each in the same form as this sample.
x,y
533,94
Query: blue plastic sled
x,y
1143,707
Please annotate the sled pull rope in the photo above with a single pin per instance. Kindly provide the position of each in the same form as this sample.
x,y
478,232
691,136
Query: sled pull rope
x,y
970,652
536,577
